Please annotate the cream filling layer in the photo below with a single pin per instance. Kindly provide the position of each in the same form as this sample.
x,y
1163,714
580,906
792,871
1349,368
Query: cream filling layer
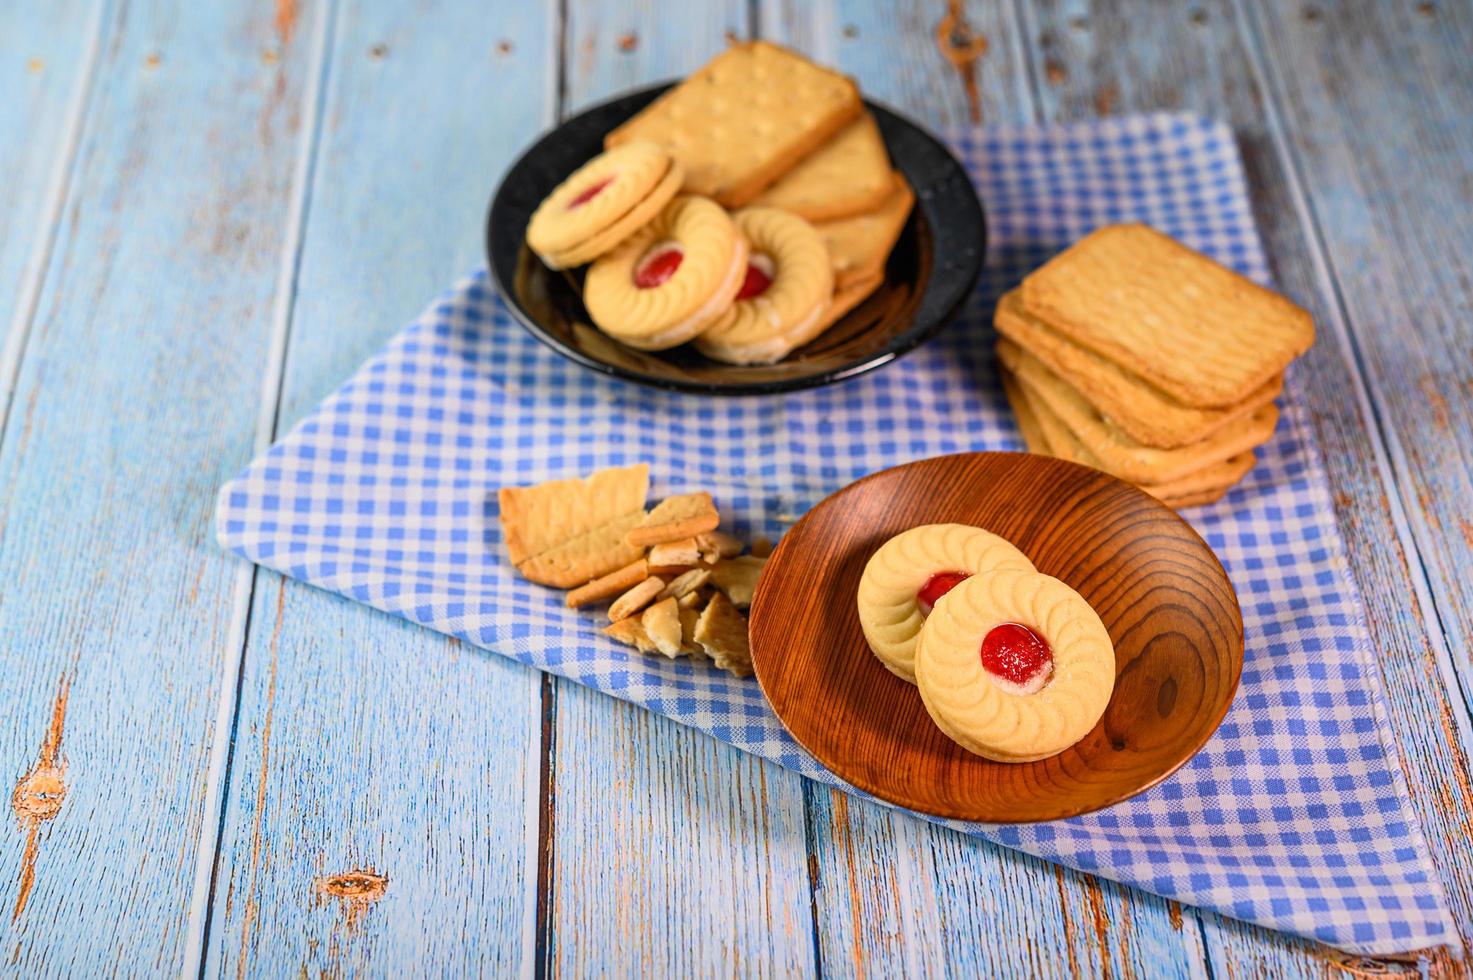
x,y
774,347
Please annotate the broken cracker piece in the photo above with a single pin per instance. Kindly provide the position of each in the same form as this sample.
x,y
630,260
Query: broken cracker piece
x,y
692,599
608,586
718,543
676,554
538,518
586,557
738,578
636,598
662,622
722,632
631,632
686,583
688,619
761,548
675,518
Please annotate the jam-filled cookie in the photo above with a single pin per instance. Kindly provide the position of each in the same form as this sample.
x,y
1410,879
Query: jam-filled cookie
x,y
672,279
1015,666
787,288
605,201
910,573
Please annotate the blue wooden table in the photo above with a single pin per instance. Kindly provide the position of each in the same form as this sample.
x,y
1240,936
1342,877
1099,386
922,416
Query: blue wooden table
x,y
210,213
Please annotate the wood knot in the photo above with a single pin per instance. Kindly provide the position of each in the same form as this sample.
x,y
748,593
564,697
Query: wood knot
x,y
355,891
365,884
38,796
962,46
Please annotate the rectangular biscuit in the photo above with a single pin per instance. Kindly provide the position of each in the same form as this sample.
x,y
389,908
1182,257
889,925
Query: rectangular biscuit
x,y
1146,413
1200,332
1118,453
744,119
847,175
1202,486
1028,425
537,518
860,244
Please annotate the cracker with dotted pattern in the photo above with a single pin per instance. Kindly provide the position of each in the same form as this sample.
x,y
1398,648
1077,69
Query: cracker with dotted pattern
x,y
744,119
847,175
1200,332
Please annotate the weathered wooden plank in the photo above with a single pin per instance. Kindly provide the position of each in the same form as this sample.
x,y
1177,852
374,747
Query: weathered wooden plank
x,y
895,52
381,807
46,60
608,48
894,895
1373,102
133,401
671,853
1136,55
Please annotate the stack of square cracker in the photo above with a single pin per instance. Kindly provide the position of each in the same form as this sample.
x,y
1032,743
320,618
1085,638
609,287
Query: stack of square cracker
x,y
761,125
675,584
1131,353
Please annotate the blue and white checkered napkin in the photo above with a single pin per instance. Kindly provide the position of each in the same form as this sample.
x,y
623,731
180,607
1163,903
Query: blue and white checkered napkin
x,y
1296,814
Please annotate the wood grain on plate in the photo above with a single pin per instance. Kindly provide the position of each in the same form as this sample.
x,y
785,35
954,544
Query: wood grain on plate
x,y
1162,594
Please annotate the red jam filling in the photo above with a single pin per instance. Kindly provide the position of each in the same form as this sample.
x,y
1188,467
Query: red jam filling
x,y
1015,653
658,268
937,586
756,281
589,194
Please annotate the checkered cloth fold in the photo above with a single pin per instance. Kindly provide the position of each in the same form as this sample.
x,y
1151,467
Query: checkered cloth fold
x,y
1295,815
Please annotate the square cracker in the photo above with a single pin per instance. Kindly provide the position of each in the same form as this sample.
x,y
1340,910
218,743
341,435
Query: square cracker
x,y
538,518
1145,412
1117,452
847,175
676,518
745,118
859,245
1195,329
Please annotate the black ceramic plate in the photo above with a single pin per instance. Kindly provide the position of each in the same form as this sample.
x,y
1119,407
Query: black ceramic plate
x,y
931,271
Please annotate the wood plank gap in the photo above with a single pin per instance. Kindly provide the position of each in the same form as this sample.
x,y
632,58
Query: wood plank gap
x,y
1386,448
813,874
1023,53
14,347
542,831
558,63
227,714
546,814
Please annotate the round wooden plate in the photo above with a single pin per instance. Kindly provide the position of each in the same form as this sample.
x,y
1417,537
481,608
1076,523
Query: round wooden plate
x,y
1162,593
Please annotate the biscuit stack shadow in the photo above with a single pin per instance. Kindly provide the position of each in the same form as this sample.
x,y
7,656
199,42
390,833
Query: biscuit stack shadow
x,y
1135,355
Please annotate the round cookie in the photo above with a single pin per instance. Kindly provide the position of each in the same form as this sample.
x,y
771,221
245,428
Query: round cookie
x,y
593,208
1015,666
670,280
787,288
909,574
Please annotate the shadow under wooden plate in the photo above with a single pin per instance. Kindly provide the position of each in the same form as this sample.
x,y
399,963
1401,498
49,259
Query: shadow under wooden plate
x,y
1161,592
